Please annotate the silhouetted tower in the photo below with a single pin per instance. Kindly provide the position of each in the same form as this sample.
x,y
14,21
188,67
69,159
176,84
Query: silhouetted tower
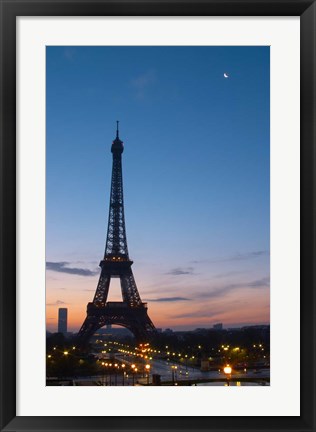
x,y
62,320
131,312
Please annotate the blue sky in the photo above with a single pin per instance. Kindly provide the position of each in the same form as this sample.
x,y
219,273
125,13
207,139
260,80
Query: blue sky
x,y
196,178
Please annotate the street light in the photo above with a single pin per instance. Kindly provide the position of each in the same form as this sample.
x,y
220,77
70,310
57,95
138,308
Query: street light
x,y
103,373
227,371
133,373
174,371
147,367
123,367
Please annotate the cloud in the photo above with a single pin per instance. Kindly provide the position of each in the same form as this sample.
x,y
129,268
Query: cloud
x,y
57,303
142,83
168,299
226,274
198,314
260,283
219,292
248,255
236,257
181,271
61,267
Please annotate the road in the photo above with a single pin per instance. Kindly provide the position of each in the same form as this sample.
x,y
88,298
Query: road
x,y
170,371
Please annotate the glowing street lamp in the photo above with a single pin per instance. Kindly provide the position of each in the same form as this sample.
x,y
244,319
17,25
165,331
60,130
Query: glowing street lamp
x,y
123,369
227,371
147,367
134,370
103,372
174,371
116,366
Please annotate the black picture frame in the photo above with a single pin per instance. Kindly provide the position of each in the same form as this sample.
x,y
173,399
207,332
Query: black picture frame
x,y
10,9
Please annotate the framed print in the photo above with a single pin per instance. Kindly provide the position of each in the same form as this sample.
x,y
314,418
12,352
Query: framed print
x,y
157,208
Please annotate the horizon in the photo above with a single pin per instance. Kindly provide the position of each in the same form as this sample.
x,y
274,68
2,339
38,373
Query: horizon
x,y
179,328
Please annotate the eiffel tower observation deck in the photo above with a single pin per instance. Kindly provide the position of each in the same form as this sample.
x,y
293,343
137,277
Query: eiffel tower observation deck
x,y
131,312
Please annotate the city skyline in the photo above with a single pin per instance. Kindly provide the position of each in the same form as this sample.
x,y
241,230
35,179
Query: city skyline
x,y
195,173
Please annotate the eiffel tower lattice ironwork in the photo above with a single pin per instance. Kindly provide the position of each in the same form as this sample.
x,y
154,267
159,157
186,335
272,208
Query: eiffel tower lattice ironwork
x,y
131,312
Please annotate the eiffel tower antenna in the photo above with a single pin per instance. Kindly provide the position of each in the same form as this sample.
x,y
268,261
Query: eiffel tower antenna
x,y
131,312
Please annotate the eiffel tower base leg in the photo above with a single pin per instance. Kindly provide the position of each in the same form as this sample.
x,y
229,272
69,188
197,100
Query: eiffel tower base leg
x,y
134,319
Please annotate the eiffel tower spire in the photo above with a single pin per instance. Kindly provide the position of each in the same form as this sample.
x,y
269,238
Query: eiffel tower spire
x,y
131,312
116,243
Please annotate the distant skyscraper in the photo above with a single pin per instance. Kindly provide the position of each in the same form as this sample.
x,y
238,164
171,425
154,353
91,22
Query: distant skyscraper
x,y
62,320
218,326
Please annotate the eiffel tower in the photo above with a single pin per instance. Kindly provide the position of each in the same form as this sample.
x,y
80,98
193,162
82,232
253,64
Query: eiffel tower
x,y
131,312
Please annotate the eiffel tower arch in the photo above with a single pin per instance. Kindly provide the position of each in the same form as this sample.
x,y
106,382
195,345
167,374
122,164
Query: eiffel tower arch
x,y
131,312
